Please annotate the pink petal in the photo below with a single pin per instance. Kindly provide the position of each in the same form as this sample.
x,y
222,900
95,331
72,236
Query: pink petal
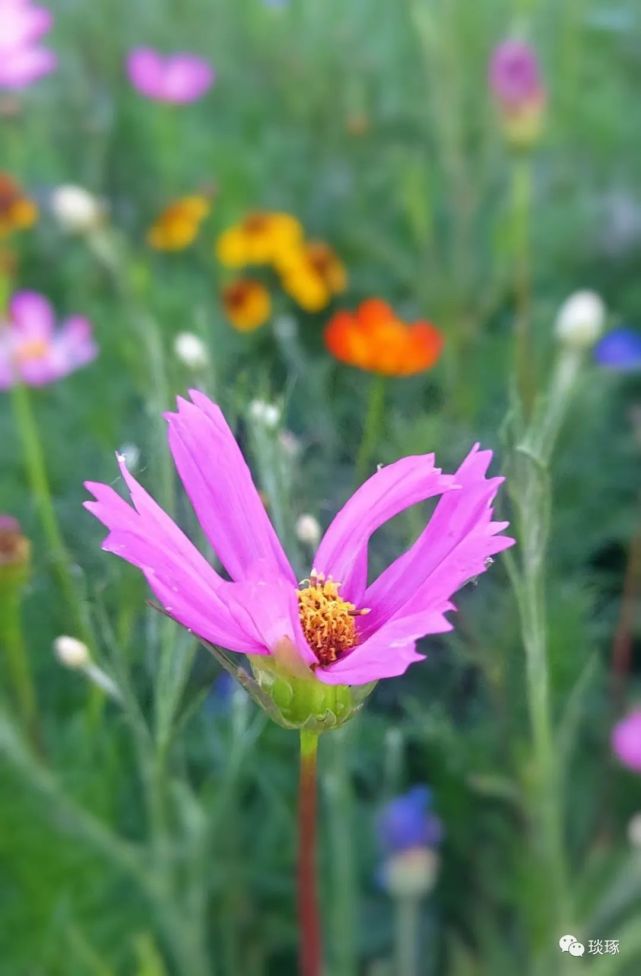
x,y
31,316
387,653
144,67
74,344
177,79
342,553
188,587
220,487
453,548
22,66
21,24
268,609
187,78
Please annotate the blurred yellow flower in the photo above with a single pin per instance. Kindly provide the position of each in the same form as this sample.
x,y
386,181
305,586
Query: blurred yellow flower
x,y
247,304
177,227
17,211
312,274
261,238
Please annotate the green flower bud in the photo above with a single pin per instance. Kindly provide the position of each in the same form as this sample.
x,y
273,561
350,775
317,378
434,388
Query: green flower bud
x,y
298,700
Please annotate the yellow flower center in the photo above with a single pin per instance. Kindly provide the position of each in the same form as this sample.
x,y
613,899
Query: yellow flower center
x,y
327,620
32,349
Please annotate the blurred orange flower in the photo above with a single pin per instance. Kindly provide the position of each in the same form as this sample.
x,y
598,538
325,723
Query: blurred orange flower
x,y
17,211
312,274
178,225
261,238
374,339
247,304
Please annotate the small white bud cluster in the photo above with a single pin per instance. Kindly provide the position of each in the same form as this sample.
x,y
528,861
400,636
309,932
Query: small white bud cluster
x,y
580,319
308,530
77,210
191,350
266,414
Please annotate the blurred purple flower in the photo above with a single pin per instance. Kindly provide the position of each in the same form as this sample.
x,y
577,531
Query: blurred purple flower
x,y
32,351
620,350
174,78
22,60
514,75
407,821
626,740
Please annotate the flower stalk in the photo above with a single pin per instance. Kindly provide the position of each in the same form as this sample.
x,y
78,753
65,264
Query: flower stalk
x,y
531,493
308,916
372,425
521,206
39,482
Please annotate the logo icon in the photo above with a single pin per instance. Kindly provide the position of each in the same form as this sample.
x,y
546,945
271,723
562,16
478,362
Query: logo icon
x,y
569,943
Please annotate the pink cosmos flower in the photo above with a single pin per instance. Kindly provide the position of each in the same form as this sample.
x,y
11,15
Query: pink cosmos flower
x,y
626,740
176,78
514,75
33,351
22,60
334,624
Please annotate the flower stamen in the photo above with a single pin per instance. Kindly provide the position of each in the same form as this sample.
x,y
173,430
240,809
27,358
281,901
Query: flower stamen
x,y
327,620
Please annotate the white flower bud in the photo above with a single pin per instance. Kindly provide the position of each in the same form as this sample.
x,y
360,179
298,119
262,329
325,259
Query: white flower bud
x,y
634,831
411,873
308,530
266,414
71,652
131,454
191,350
77,210
580,319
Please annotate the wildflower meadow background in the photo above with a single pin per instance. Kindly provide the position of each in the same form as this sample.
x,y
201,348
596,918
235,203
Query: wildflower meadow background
x,y
368,232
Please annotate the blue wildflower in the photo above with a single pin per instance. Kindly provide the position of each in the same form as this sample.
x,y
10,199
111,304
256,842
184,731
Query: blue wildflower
x,y
407,821
619,350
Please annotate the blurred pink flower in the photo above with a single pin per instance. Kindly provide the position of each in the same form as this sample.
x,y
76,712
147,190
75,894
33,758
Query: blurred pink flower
x,y
22,60
333,626
175,78
626,740
33,351
514,75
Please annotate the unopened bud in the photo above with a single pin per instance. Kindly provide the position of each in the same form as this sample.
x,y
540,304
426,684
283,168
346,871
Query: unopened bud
x,y
131,454
411,873
308,530
76,209
191,350
580,319
265,414
71,652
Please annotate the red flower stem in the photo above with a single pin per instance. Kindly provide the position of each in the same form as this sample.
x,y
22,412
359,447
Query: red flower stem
x,y
308,920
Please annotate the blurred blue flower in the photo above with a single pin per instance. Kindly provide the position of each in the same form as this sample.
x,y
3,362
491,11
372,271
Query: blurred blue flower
x,y
219,698
407,821
620,349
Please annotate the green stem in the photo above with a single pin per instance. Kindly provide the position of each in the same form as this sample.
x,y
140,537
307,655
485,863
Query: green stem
x,y
521,208
308,917
344,899
372,426
37,474
406,932
15,653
